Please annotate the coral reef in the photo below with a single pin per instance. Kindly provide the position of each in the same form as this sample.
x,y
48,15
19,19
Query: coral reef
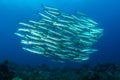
x,y
5,72
43,72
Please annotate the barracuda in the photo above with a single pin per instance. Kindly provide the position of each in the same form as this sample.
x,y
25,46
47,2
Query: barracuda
x,y
56,13
75,18
64,21
31,42
21,35
36,34
32,50
45,16
91,21
58,24
47,20
67,16
81,58
87,43
50,14
35,22
39,48
89,50
52,38
24,30
32,37
60,35
77,29
97,30
51,49
49,41
28,25
64,28
53,32
49,8
81,14
51,46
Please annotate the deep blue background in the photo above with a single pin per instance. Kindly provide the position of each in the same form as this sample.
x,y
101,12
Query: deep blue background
x,y
105,12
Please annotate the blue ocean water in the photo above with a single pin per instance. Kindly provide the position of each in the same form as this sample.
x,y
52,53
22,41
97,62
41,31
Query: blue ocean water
x,y
105,12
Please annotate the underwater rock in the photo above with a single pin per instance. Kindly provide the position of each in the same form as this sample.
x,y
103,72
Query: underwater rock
x,y
5,72
85,72
17,78
36,76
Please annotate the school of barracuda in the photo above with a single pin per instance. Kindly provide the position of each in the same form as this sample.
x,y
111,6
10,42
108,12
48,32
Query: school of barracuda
x,y
60,35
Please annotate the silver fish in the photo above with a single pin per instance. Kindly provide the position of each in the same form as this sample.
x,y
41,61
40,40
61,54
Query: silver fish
x,y
35,22
24,30
60,35
80,13
50,14
45,16
32,50
67,16
20,35
26,42
27,25
49,8
54,12
32,37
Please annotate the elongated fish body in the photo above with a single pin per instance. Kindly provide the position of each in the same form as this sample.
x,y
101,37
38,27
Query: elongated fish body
x,y
81,58
97,30
32,50
27,25
35,22
67,16
75,18
81,14
32,37
54,12
51,49
31,42
53,39
47,20
61,36
86,43
48,41
51,14
91,21
63,28
51,46
21,35
24,30
59,24
64,21
45,16
42,27
88,50
36,34
39,48
76,29
49,8
57,60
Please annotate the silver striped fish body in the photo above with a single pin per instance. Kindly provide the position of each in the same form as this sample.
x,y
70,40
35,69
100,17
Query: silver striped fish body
x,y
61,36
